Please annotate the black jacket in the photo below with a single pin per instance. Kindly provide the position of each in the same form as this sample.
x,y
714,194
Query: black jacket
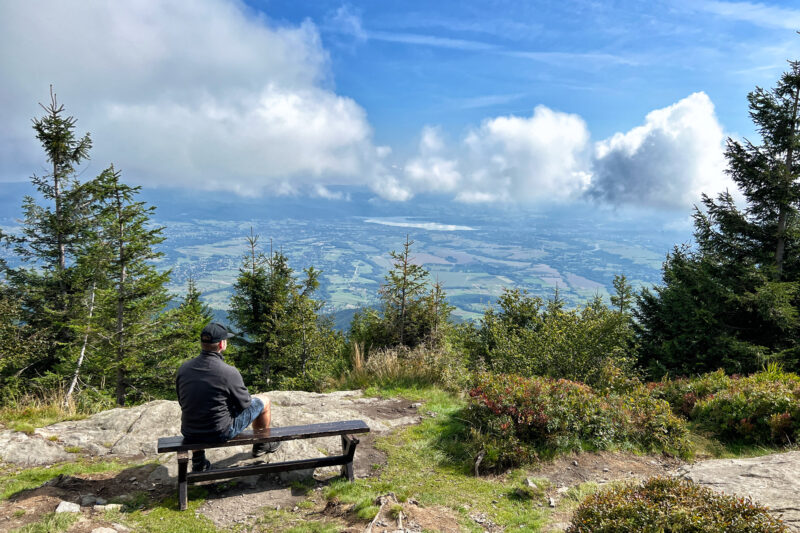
x,y
211,394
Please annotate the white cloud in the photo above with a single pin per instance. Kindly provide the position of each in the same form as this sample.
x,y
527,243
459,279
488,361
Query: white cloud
x,y
346,20
541,158
430,171
671,159
207,95
667,162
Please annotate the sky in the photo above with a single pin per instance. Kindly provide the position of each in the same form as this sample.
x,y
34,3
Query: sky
x,y
494,102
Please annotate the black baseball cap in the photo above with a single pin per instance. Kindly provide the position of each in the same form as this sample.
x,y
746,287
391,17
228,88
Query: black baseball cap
x,y
215,332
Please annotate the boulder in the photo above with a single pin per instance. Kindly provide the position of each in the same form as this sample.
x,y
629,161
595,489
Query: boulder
x,y
134,431
30,450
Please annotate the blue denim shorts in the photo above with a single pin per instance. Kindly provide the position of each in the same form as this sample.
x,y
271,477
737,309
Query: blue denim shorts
x,y
244,419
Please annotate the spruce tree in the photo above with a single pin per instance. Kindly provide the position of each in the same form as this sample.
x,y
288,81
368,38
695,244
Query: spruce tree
x,y
733,301
131,305
413,311
284,343
48,281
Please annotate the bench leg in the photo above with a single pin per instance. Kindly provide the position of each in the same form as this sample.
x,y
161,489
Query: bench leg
x,y
349,449
183,464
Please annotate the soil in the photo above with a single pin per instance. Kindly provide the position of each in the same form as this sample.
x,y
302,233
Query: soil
x,y
604,467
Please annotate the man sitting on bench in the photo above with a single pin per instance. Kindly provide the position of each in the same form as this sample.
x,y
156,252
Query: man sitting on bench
x,y
215,404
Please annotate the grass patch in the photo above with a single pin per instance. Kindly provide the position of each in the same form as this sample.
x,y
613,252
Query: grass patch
x,y
27,417
430,463
13,482
302,486
50,523
575,495
22,427
165,517
706,446
73,449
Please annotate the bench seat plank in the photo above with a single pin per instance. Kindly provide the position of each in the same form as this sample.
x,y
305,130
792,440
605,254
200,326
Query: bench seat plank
x,y
308,431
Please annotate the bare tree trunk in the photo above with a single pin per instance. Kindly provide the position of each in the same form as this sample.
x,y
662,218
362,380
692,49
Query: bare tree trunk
x,y
83,349
403,293
120,305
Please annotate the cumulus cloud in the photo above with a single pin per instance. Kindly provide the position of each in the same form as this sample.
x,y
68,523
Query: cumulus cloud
x,y
541,158
671,159
667,162
208,95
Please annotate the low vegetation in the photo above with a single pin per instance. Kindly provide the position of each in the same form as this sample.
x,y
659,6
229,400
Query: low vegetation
x,y
516,420
49,523
664,504
763,408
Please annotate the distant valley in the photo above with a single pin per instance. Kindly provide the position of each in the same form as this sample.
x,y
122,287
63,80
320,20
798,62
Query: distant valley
x,y
475,254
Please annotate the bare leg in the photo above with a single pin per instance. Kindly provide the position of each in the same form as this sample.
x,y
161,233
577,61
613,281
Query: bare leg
x,y
263,420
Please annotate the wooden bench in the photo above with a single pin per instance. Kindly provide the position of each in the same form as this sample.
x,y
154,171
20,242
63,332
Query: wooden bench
x,y
327,429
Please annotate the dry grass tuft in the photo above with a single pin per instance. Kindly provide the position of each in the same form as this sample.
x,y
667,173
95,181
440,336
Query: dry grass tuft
x,y
401,366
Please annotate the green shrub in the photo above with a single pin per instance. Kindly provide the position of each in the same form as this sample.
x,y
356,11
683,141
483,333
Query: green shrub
x,y
515,419
756,409
683,393
667,504
529,336
761,408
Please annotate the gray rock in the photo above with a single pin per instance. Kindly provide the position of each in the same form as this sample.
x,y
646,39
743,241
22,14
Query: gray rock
x,y
68,507
134,431
25,450
107,507
771,480
104,530
88,500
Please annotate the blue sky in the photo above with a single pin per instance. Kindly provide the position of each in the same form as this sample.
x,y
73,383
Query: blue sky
x,y
626,103
456,63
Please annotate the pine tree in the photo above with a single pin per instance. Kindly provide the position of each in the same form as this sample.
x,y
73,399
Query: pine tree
x,y
179,337
403,294
623,296
412,311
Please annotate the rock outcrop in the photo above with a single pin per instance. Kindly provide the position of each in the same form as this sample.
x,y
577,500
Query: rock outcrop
x,y
127,432
772,480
